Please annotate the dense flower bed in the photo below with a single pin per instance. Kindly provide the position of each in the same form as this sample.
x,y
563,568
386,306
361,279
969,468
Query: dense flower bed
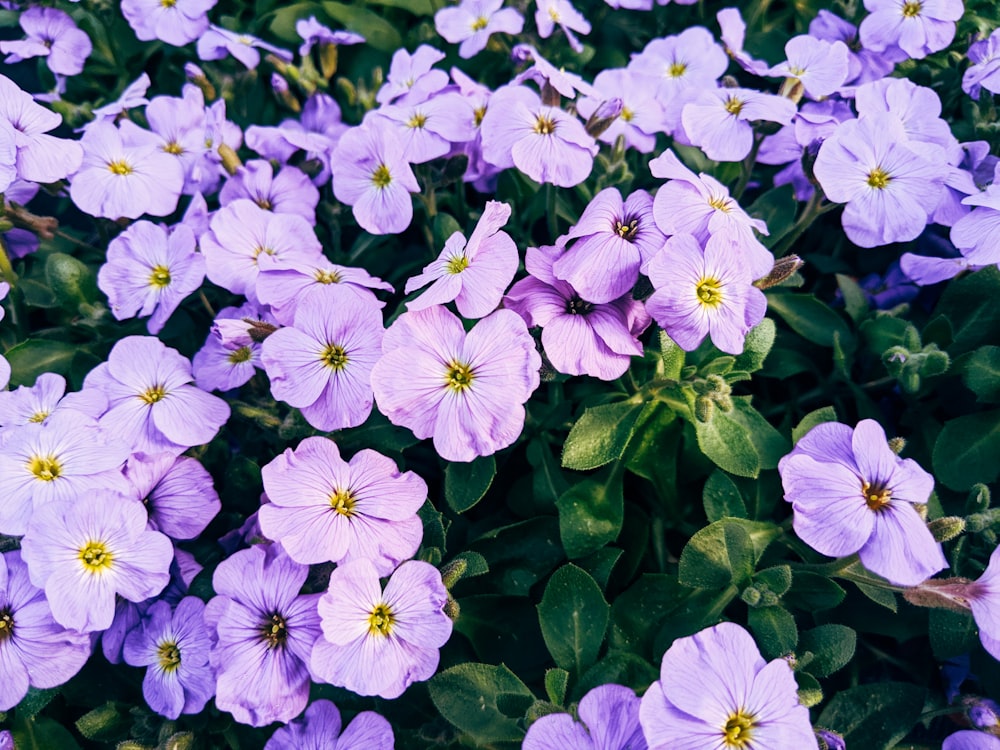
x,y
400,373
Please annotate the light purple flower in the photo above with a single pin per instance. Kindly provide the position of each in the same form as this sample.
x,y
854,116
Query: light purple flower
x,y
472,22
174,649
641,117
850,493
34,404
371,175
579,338
320,729
974,234
703,293
984,72
733,34
475,273
8,155
545,143
217,43
719,120
51,34
322,364
264,633
222,365
86,552
969,739
288,192
379,643
612,239
819,65
177,492
40,157
918,27
325,509
150,272
151,405
889,187
175,22
552,13
412,76
427,129
609,720
691,59
542,72
465,390
133,96
313,32
35,651
741,698
863,65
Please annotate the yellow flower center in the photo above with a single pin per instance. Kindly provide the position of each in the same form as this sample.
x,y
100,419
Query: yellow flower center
x,y
459,376
45,468
169,656
381,176
627,114
275,631
417,121
168,3
478,115
676,69
734,106
153,394
96,557
554,15
120,167
709,291
878,178
160,277
6,625
737,731
480,23
243,354
627,229
544,125
327,277
38,416
174,148
876,496
343,501
912,8
264,203
380,621
334,356
457,264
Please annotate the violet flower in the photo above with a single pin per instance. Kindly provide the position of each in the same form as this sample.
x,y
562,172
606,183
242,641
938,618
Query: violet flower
x,y
691,59
177,491
427,129
412,77
40,157
918,27
609,720
969,739
820,66
542,72
320,729
35,404
52,34
719,121
641,117
217,43
984,72
287,192
733,34
176,22
863,65
220,365
133,96
472,22
313,32
561,13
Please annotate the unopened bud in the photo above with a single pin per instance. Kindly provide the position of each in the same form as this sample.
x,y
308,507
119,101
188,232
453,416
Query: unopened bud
x,y
453,571
830,740
783,270
328,60
717,384
769,599
604,116
281,89
729,82
180,741
550,97
897,444
941,593
751,596
809,154
947,528
936,362
6,740
810,697
452,609
792,88
978,500
197,76
724,402
230,161
703,408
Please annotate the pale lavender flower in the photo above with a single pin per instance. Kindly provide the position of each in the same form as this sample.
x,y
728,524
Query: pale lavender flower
x,y
819,65
264,633
984,72
413,76
918,27
969,739
733,34
177,492
316,132
703,292
380,643
222,365
325,509
974,234
719,121
34,404
52,34
466,390
217,43
371,175
579,338
542,72
288,192
8,155
691,59
322,364
133,96
613,238
741,700
472,23
86,552
313,32
544,142
152,407
863,65
35,651
641,117
609,720
320,729
427,129
150,272
175,22
119,181
174,647
480,173
475,273
177,127
40,157
850,493
925,270
552,13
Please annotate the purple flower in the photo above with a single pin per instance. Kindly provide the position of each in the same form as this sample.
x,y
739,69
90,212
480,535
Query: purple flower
x,y
56,461
544,142
609,720
475,273
151,405
973,234
52,34
612,240
371,175
552,13
719,120
641,117
150,272
40,157
322,364
178,127
691,59
175,22
850,493
819,65
243,231
733,34
472,23
703,293
741,698
427,129
217,43
177,492
579,338
319,729
465,390
288,192
35,651
221,365
30,405
543,72
86,552
984,72
863,65
264,634
325,509
133,96
120,181
313,32
174,649
8,155
412,76
969,739
918,27
379,643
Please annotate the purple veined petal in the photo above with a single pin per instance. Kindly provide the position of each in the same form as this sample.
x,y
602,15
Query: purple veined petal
x,y
417,589
611,712
172,415
367,731
902,548
555,731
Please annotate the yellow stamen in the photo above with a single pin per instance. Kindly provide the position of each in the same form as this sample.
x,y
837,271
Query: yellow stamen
x,y
169,656
912,8
38,416
876,496
120,167
275,631
45,468
480,23
459,376
878,178
627,114
380,621
96,557
152,395
6,625
457,264
544,125
417,121
381,177
160,277
327,277
736,732
677,69
334,356
174,148
343,501
243,354
709,291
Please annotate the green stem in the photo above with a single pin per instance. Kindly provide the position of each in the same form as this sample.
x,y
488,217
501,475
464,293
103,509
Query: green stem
x,y
747,167
813,210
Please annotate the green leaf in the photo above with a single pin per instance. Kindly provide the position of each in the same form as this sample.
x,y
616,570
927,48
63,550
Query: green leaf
x,y
966,450
810,420
811,592
573,616
416,7
600,564
883,332
982,374
519,555
724,552
35,700
105,723
757,345
970,305
832,647
673,357
31,358
777,579
600,435
855,301
728,444
952,633
874,716
377,32
282,23
41,733
771,445
591,513
468,696
777,208
637,612
774,629
465,484
556,682
71,280
809,317
445,225
721,498
880,596
620,668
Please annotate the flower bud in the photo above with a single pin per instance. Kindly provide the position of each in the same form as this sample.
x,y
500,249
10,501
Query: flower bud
x,y
604,116
783,270
452,609
983,713
947,528
453,571
829,740
897,444
978,499
550,97
6,740
810,697
751,596
703,408
230,161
